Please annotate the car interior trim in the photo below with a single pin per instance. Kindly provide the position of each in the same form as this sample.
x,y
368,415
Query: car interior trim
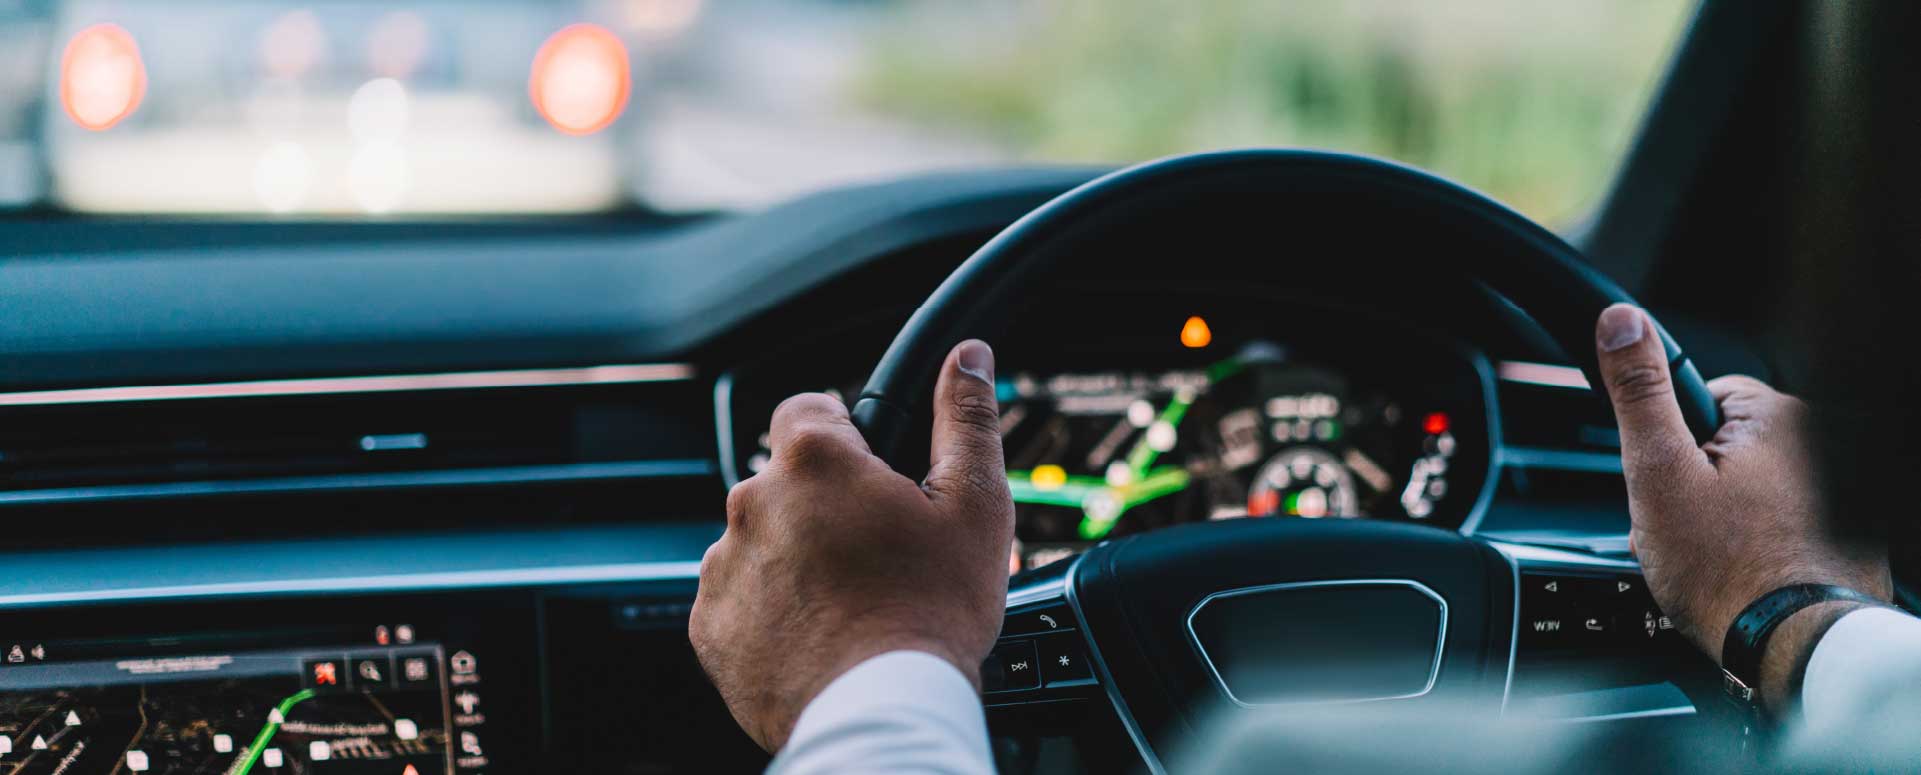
x,y
724,428
1434,670
401,582
1106,678
1544,374
1561,460
614,374
467,477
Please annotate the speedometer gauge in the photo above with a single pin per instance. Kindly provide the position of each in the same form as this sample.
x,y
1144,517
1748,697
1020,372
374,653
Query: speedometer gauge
x,y
1303,482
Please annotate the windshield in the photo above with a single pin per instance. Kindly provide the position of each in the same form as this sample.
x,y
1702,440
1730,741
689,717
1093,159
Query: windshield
x,y
368,109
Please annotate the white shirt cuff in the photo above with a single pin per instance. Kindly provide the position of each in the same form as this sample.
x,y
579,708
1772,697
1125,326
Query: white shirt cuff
x,y
1853,667
1858,698
903,711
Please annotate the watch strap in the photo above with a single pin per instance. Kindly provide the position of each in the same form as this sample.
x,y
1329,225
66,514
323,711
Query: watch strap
x,y
1747,638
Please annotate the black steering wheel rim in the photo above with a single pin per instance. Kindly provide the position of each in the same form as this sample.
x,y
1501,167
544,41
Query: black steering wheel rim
x,y
1159,648
1529,265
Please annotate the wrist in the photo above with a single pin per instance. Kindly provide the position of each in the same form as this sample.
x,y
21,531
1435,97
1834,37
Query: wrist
x,y
1784,660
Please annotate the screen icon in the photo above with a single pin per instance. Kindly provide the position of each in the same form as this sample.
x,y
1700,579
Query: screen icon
x,y
418,668
372,671
324,673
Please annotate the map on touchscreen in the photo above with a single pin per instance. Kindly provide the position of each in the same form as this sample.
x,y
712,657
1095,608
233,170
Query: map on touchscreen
x,y
393,711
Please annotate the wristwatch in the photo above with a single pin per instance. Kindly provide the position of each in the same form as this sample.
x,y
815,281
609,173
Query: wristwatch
x,y
1747,638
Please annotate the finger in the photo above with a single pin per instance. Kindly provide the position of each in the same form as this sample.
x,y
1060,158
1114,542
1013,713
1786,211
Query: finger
x,y
813,429
1634,367
966,451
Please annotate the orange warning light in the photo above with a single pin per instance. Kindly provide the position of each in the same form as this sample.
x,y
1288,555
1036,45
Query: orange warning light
x,y
1195,334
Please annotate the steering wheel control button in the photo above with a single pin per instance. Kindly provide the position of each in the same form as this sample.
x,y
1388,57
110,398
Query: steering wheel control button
x,y
1063,659
1039,620
1011,667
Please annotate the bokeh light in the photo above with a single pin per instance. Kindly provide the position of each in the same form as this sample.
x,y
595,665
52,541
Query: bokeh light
x,y
378,111
102,78
293,44
281,177
398,44
580,81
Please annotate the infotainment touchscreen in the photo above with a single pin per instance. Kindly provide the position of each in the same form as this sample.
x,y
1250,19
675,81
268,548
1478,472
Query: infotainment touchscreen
x,y
386,698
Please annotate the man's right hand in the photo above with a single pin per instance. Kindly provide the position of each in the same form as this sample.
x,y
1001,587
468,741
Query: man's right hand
x,y
830,557
1717,526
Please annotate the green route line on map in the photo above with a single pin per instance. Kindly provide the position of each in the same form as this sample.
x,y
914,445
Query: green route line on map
x,y
260,741
1147,481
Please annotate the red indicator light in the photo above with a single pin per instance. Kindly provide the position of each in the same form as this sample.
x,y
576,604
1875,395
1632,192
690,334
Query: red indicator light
x,y
1262,503
1435,424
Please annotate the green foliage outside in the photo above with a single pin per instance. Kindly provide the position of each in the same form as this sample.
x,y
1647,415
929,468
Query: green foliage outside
x,y
1532,101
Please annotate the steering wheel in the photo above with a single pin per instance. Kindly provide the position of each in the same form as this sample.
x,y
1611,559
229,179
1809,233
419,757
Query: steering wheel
x,y
1214,617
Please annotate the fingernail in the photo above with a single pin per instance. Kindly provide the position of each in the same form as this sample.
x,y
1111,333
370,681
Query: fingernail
x,y
1620,326
976,359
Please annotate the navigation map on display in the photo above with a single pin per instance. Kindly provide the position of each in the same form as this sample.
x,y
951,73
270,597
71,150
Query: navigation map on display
x,y
404,710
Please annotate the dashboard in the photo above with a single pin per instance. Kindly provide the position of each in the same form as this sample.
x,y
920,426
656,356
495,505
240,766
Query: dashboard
x,y
259,457
1191,410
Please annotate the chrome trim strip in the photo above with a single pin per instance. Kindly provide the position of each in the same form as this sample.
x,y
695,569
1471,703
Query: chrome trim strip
x,y
1561,460
1514,632
1106,677
562,472
724,428
1545,374
1051,589
592,375
1533,556
1496,442
1678,710
402,582
1433,673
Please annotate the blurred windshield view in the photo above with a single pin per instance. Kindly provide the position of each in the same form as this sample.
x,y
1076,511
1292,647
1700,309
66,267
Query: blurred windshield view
x,y
364,108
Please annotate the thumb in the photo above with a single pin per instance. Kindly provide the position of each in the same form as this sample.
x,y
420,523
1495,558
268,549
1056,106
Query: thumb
x,y
966,449
1634,366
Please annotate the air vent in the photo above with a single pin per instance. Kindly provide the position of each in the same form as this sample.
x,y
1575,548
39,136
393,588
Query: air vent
x,y
371,434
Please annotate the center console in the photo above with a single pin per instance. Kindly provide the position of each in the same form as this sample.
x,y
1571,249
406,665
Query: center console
x,y
571,678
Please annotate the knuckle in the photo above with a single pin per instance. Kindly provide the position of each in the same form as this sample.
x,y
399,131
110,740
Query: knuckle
x,y
813,447
804,404
740,501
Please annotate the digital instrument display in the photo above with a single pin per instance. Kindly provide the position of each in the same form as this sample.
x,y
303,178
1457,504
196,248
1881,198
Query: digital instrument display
x,y
388,698
1256,430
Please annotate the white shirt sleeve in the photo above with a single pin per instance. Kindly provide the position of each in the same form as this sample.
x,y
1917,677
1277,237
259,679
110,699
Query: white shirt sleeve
x,y
900,712
1861,697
